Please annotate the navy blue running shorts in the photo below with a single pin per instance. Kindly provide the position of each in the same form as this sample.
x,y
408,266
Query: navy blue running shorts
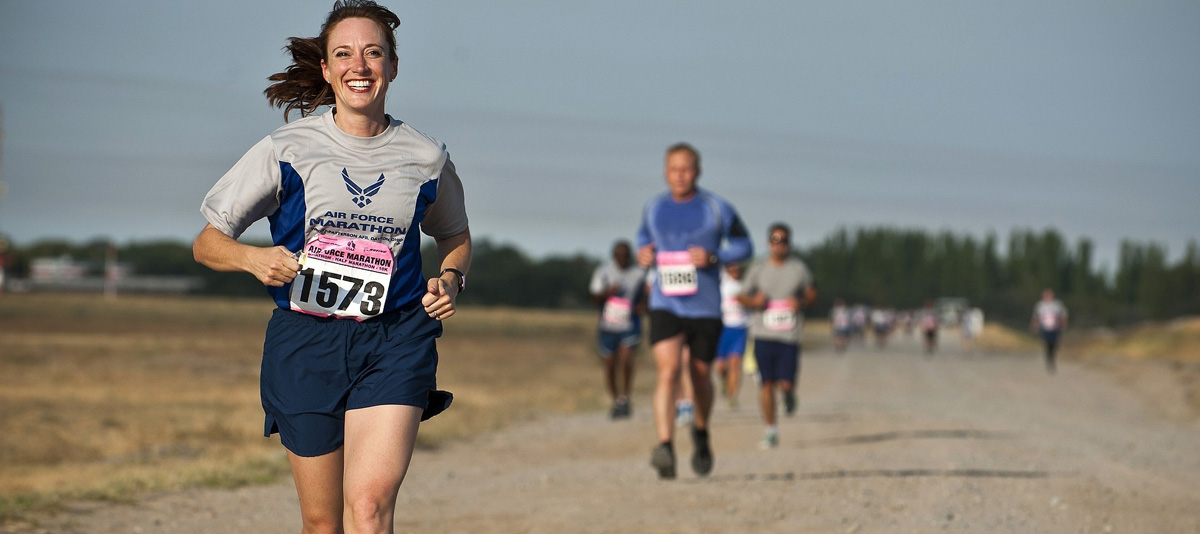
x,y
1050,337
609,342
700,334
777,362
314,369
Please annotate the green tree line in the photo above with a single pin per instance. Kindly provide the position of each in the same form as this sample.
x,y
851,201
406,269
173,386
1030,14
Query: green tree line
x,y
501,275
904,268
880,266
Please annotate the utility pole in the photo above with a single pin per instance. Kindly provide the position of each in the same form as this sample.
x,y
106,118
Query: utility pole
x,y
3,189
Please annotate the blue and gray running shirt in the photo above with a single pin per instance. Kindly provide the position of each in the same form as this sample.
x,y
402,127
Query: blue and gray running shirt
x,y
705,220
309,178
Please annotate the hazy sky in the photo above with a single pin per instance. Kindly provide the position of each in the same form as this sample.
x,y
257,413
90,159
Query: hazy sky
x,y
971,117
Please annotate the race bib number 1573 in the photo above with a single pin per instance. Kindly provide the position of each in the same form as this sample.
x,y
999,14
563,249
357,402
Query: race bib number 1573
x,y
342,277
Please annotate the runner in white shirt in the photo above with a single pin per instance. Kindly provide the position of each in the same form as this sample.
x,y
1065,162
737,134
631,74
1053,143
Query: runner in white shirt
x,y
619,288
732,344
350,358
882,322
839,321
1049,320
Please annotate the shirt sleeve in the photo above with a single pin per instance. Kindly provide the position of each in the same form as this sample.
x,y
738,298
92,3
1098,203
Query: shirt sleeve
x,y
738,245
750,281
596,286
247,193
806,280
448,214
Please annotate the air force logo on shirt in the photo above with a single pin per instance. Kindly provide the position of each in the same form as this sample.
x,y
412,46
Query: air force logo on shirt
x,y
360,196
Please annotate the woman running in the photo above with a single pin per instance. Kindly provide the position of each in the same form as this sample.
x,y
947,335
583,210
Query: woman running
x,y
349,360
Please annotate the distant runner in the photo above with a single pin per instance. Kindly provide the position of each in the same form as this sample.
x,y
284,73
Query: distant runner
x,y
732,345
617,288
686,233
929,327
858,321
882,322
972,326
1049,320
839,321
777,290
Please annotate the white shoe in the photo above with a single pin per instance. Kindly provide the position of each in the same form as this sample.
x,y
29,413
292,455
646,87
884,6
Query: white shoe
x,y
684,414
770,439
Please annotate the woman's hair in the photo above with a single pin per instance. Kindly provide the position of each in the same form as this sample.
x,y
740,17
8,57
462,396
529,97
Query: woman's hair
x,y
302,86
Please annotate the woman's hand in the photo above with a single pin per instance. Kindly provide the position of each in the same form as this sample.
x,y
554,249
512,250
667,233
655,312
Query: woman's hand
x,y
439,299
273,266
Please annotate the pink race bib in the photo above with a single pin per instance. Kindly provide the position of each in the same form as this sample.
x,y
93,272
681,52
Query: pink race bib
x,y
342,277
676,273
617,314
779,316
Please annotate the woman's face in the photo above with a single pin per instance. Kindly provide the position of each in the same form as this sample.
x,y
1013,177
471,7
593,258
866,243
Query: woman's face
x,y
357,66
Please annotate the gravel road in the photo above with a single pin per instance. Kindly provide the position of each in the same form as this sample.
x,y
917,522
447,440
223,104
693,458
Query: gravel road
x,y
885,440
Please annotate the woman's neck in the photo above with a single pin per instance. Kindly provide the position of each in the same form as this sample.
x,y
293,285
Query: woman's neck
x,y
360,125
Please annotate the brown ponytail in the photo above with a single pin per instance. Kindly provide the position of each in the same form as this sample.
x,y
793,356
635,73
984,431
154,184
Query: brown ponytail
x,y
302,86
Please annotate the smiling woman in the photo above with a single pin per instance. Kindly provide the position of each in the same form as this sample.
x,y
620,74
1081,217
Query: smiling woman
x,y
350,359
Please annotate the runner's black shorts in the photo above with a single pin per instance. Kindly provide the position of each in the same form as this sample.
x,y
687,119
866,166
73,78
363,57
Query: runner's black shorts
x,y
314,369
700,334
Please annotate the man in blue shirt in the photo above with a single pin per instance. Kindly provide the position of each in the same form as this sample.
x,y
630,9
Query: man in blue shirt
x,y
686,234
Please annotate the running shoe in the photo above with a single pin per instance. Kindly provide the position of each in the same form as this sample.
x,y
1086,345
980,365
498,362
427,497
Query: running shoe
x,y
663,459
620,408
789,402
684,413
770,439
702,459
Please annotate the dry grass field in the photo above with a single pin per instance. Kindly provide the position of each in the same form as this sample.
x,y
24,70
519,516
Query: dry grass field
x,y
1177,340
111,398
1175,343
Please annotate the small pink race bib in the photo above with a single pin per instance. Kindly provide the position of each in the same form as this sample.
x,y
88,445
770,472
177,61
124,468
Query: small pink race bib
x,y
676,273
779,316
732,312
1049,321
617,314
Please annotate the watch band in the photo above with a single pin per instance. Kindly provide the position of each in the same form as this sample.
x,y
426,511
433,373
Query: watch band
x,y
462,278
